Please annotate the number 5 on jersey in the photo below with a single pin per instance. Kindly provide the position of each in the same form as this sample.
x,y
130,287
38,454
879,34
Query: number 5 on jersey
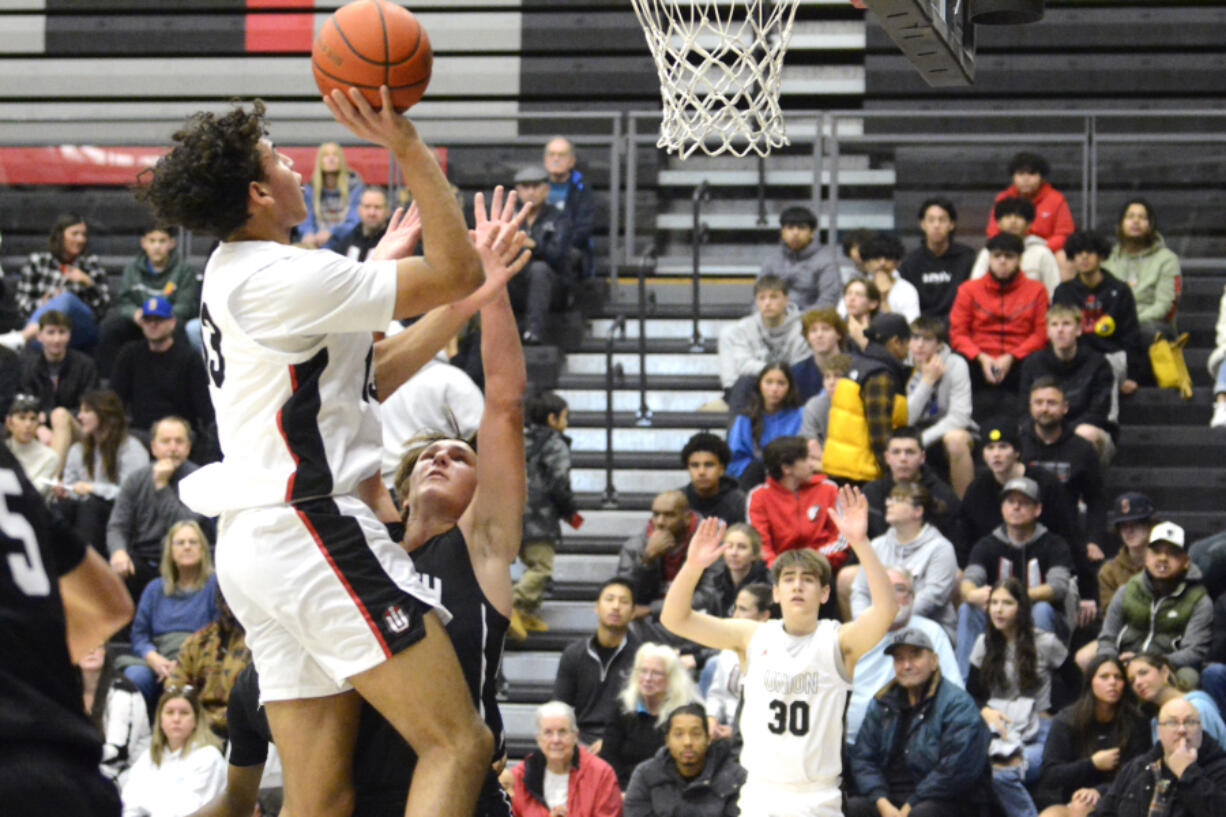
x,y
27,568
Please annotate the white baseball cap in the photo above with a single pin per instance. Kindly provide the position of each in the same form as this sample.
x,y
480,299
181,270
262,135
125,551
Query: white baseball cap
x,y
1167,532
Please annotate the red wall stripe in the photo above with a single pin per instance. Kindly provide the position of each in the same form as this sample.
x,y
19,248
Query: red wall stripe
x,y
279,33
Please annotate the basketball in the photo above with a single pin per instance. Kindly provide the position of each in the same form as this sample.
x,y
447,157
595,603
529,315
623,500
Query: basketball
x,y
368,43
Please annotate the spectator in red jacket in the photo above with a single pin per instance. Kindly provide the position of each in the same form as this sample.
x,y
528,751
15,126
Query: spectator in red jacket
x,y
791,509
996,321
1053,221
590,784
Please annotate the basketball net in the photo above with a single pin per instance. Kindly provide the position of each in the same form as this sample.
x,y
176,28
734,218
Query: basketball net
x,y
720,64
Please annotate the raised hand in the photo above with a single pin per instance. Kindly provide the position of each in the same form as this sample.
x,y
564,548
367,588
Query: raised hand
x,y
499,240
850,514
383,127
1180,759
402,234
707,545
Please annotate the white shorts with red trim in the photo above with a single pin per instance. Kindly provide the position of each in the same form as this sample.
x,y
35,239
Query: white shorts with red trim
x,y
322,591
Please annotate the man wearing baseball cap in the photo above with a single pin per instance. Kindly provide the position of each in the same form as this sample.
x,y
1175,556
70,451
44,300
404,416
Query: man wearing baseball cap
x,y
1132,518
545,281
923,746
1165,608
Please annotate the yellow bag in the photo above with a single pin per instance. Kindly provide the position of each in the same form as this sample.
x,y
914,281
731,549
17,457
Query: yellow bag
x,y
1170,370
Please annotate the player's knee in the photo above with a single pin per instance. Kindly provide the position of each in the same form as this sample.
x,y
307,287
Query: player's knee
x,y
958,440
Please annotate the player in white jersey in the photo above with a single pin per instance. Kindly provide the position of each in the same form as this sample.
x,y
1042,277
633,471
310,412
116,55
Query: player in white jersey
x,y
327,599
798,670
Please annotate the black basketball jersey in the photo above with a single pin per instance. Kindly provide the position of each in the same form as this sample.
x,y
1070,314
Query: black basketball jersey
x,y
40,698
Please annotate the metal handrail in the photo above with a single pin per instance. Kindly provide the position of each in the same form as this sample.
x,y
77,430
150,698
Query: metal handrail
x,y
611,371
701,193
650,259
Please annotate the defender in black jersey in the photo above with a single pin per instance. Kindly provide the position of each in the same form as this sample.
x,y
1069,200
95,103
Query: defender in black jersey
x,y
58,600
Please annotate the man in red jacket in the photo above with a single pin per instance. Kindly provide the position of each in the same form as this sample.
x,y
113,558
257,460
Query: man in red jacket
x,y
996,321
1053,221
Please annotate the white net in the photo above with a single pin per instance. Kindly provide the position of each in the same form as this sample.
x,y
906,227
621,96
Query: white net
x,y
720,64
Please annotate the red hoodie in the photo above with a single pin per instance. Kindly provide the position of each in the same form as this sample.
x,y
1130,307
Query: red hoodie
x,y
787,520
1053,221
993,319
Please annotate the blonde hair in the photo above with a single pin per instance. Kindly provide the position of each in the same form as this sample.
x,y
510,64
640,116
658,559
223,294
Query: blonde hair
x,y
170,571
201,735
317,178
1064,311
750,533
681,688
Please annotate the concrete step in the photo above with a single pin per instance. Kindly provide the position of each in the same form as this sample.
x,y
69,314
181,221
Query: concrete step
x,y
535,667
1170,445
1152,406
704,420
629,479
735,215
774,177
631,439
657,363
1183,488
584,397
666,328
654,345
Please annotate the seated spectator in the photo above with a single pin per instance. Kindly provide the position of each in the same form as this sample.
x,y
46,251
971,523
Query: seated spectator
x,y
995,323
1165,608
546,282
148,505
791,510
58,377
593,670
904,459
1088,743
875,669
1054,221
562,777
741,566
825,332
1024,550
331,197
97,465
1145,263
861,303
10,369
939,401
913,543
1156,684
1014,216
880,256
182,768
657,685
1084,376
116,710
1184,774
172,607
815,415
357,241
723,697
571,195
1216,370
770,334
157,270
1213,676
159,376
1108,309
65,280
1002,454
808,268
710,491
923,746
1011,669
1132,518
850,245
39,461
209,662
651,558
939,266
689,775
868,403
773,411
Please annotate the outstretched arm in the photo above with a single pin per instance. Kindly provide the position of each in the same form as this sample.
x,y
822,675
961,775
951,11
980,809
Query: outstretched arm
x,y
677,615
96,604
859,636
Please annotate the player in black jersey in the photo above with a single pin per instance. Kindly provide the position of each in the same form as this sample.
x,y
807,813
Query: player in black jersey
x,y
58,600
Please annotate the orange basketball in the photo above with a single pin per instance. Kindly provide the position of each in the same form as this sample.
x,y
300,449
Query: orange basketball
x,y
368,43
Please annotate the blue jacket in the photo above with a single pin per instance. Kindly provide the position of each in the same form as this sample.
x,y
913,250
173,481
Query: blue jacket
x,y
947,748
745,449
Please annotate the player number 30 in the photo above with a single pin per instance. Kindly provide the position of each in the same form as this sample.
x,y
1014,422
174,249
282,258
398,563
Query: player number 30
x,y
793,718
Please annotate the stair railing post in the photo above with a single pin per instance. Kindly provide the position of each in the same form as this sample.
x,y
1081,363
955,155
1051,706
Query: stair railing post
x,y
762,222
650,259
611,373
702,193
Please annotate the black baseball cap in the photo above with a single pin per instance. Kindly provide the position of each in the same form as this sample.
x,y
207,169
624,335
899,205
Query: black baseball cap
x,y
1130,507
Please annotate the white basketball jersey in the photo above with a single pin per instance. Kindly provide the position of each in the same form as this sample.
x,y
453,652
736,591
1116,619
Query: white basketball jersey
x,y
287,337
795,692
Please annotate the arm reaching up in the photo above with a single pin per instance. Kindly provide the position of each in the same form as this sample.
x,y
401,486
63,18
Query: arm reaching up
x,y
859,636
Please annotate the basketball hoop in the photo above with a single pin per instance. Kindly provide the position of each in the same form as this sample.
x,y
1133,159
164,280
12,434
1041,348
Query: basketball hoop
x,y
720,64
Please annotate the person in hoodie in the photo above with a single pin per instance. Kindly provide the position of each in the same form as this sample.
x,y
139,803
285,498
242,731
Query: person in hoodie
x,y
914,543
996,322
939,401
1083,374
1038,262
771,333
880,256
157,270
1145,263
1053,221
1165,608
710,491
1109,310
689,775
1024,549
810,270
939,266
569,193
904,459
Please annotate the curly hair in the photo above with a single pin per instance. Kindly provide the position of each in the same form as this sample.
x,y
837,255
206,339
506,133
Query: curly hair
x,y
202,183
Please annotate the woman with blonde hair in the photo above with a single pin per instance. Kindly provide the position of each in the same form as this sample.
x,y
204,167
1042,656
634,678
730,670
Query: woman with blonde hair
x,y
331,196
172,606
657,685
182,769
